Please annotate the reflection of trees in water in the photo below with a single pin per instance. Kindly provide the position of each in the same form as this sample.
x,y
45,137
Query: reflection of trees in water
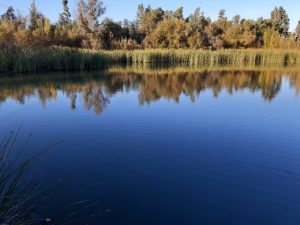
x,y
171,86
46,93
95,91
93,96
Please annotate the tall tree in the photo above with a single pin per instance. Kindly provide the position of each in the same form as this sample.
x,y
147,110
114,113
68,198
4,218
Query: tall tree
x,y
33,17
65,16
222,20
215,36
179,13
9,14
170,33
195,27
64,26
140,13
280,21
88,14
149,19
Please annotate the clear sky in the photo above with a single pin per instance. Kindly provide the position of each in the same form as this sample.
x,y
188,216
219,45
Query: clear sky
x,y
121,9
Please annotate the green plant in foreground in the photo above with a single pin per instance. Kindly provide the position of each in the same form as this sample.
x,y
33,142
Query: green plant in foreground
x,y
20,198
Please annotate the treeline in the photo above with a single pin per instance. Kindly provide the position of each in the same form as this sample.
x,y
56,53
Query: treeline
x,y
153,28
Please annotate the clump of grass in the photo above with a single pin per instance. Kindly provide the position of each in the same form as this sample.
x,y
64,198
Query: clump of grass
x,y
17,59
20,59
16,198
20,198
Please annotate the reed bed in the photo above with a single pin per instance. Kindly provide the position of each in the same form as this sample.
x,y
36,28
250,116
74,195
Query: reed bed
x,y
18,59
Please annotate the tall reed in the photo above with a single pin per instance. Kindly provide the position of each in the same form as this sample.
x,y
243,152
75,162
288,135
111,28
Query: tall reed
x,y
17,199
20,198
18,59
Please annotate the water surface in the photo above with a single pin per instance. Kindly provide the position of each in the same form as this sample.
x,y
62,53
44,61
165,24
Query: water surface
x,y
171,146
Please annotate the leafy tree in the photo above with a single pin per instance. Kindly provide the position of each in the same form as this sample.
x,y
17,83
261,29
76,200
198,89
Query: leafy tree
x,y
140,12
236,20
110,32
153,28
196,24
222,20
248,37
40,27
233,33
65,16
33,17
260,26
149,18
13,29
88,15
9,14
215,36
131,31
169,33
233,36
280,21
65,30
88,21
271,38
179,13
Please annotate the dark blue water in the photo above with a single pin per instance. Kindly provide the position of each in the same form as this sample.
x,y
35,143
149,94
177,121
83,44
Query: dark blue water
x,y
164,147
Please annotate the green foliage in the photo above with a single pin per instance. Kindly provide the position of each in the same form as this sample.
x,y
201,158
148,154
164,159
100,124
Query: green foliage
x,y
271,38
240,33
196,36
9,14
64,22
33,17
87,22
170,33
215,36
153,28
280,21
148,19
66,15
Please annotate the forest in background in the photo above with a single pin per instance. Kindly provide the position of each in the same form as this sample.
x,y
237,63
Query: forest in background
x,y
153,28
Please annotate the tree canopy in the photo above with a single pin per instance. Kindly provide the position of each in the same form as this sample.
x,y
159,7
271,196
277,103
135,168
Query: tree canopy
x,y
153,28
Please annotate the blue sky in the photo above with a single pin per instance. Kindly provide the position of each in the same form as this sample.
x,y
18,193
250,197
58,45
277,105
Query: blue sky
x,y
121,9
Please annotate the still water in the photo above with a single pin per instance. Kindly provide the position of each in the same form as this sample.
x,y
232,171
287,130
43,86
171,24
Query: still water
x,y
170,146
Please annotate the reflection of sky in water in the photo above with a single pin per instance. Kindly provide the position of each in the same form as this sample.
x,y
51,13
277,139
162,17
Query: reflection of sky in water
x,y
214,160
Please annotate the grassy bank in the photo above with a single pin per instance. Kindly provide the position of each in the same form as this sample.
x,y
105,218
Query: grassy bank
x,y
16,59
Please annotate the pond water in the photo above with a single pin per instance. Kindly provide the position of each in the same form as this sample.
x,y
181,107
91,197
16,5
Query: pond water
x,y
169,146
